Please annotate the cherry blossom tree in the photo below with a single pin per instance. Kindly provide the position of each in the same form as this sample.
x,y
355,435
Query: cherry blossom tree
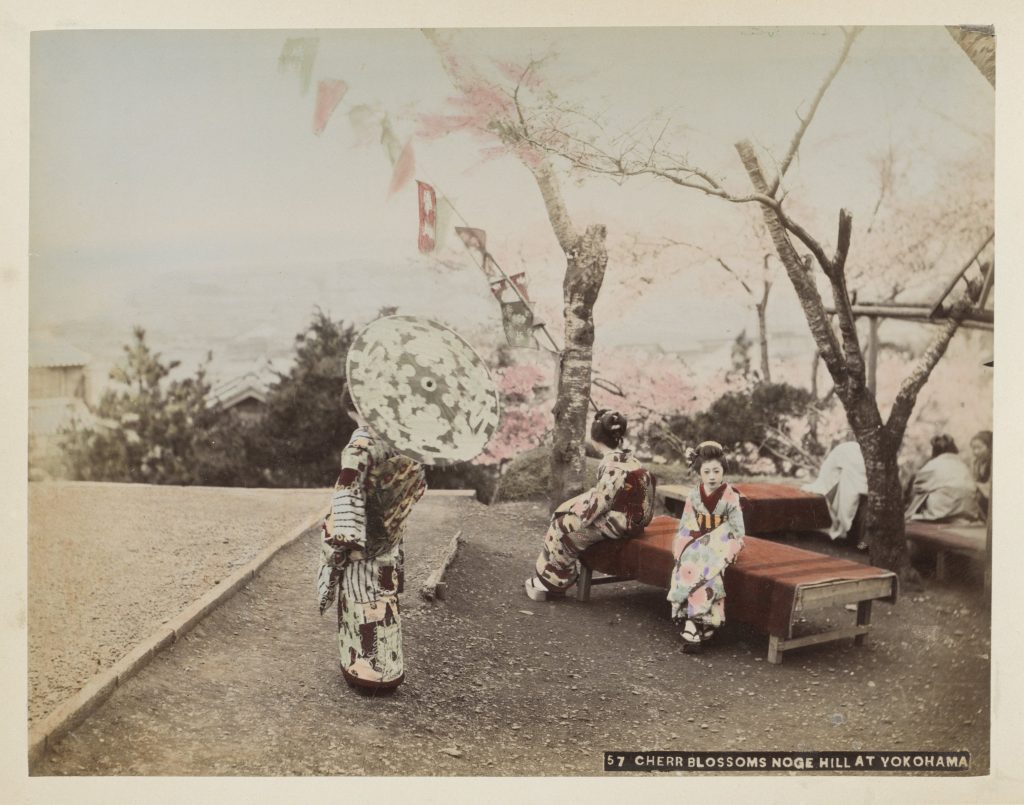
x,y
494,108
576,139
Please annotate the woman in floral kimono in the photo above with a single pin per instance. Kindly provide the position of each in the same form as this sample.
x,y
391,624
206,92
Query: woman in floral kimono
x,y
361,555
620,505
709,539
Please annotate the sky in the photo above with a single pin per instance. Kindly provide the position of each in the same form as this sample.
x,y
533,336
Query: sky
x,y
176,181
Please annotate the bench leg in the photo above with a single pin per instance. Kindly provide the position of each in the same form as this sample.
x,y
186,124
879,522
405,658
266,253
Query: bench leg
x,y
940,566
583,583
774,655
863,619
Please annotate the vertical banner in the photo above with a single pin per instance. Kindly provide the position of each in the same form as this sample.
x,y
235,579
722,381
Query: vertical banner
x,y
328,95
519,280
428,217
518,321
298,55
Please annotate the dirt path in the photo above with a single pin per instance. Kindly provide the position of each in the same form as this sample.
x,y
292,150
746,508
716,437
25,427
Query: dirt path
x,y
499,685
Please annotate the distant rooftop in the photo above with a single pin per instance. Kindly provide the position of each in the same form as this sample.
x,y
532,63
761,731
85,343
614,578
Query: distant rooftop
x,y
44,351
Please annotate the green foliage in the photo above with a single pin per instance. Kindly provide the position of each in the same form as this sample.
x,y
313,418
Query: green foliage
x,y
151,425
159,431
299,442
741,421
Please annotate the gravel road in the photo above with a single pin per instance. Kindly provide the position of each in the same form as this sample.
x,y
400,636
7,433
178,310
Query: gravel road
x,y
108,563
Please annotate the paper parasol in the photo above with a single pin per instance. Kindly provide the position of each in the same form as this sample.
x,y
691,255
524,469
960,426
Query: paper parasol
x,y
422,389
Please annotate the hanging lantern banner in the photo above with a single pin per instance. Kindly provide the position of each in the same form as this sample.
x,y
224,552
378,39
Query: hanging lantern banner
x,y
518,321
474,239
519,280
328,95
498,289
428,216
299,55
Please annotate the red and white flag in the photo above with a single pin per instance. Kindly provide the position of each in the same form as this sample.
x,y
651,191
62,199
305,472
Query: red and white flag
x,y
428,217
329,93
519,280
498,289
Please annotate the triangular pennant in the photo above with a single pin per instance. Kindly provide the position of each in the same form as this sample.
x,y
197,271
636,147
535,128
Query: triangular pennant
x,y
405,167
392,146
299,54
517,319
329,93
428,217
490,268
519,280
498,289
473,238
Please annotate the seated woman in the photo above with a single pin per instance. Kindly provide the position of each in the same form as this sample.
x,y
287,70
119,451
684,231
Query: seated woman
x,y
943,489
981,469
620,505
843,481
709,539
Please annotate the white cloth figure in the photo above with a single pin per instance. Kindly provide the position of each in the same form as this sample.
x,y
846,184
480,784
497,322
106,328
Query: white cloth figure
x,y
842,479
943,488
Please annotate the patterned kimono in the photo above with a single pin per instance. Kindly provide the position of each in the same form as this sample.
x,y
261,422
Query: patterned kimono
x,y
620,505
361,555
708,541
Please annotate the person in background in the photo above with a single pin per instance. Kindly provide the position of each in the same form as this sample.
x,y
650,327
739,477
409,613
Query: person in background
x,y
943,489
620,505
362,559
843,481
981,469
709,539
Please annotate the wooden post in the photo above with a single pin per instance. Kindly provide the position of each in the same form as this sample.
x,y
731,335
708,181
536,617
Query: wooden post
x,y
863,619
583,583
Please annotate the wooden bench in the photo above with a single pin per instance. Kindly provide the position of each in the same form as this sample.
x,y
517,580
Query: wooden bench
x,y
769,587
967,539
767,508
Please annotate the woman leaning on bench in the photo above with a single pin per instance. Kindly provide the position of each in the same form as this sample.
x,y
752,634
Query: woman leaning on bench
x,y
709,539
619,506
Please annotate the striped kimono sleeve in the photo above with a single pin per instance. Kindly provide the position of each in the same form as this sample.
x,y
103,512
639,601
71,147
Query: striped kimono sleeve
x,y
344,530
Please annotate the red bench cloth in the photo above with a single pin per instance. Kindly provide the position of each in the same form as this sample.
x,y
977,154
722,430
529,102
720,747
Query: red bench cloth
x,y
761,587
768,508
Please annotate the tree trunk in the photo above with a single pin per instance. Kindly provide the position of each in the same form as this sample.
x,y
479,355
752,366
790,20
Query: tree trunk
x,y
584,275
762,334
884,525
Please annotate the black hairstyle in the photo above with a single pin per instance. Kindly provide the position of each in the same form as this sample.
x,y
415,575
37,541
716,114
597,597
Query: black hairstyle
x,y
943,443
608,428
705,451
985,437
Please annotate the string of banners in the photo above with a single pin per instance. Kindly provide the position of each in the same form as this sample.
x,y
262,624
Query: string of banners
x,y
298,56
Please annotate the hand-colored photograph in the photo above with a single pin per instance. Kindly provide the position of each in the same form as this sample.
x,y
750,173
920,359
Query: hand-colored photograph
x,y
464,402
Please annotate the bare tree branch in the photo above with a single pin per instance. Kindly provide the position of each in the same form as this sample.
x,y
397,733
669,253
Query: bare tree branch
x,y
906,397
849,36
